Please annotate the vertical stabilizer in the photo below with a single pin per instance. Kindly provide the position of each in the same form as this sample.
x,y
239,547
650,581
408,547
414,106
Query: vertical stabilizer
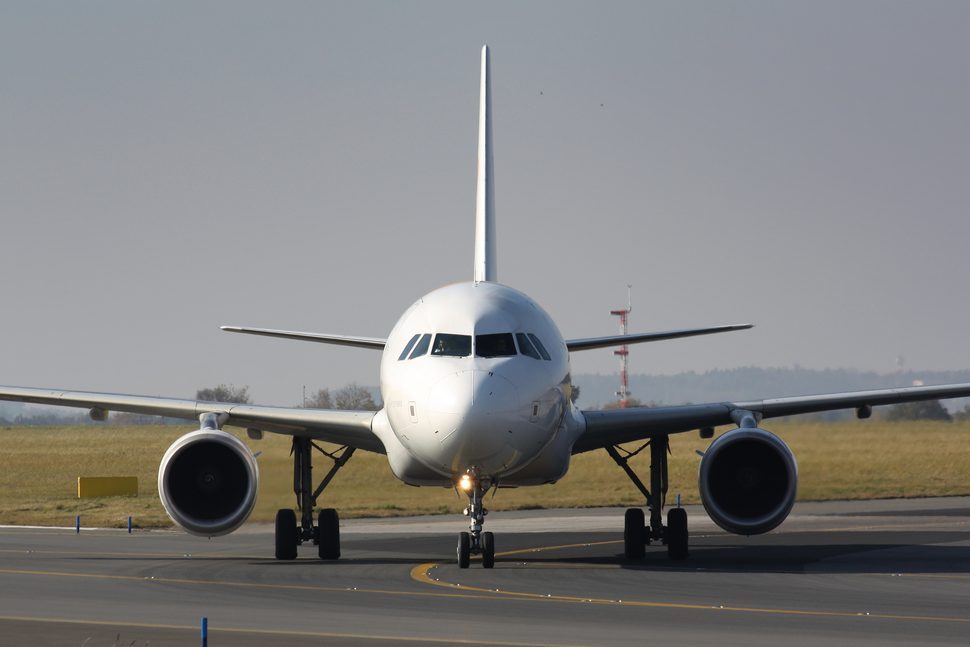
x,y
485,266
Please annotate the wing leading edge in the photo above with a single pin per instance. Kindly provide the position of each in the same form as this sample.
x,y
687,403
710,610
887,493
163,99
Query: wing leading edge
x,y
373,343
352,428
612,427
588,343
639,338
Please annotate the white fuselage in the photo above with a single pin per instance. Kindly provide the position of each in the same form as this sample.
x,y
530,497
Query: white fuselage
x,y
476,376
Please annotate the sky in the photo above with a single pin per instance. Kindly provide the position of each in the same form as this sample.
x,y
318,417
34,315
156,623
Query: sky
x,y
167,168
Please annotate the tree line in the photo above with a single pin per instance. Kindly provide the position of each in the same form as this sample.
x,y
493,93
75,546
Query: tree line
x,y
352,397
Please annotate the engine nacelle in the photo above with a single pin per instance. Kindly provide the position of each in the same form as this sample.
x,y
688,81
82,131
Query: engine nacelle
x,y
207,482
748,479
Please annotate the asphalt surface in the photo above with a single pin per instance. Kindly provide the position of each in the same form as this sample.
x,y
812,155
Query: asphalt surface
x,y
880,572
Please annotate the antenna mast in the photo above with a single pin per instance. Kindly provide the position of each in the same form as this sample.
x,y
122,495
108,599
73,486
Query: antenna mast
x,y
623,352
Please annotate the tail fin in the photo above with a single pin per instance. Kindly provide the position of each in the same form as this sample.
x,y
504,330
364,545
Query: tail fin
x,y
485,265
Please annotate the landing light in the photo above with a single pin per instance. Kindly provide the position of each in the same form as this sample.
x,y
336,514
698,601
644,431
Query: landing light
x,y
465,482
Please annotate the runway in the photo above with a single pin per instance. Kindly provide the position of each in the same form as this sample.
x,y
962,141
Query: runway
x,y
878,572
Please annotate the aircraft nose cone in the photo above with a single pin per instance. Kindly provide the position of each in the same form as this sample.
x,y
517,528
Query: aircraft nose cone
x,y
471,411
493,394
450,399
472,393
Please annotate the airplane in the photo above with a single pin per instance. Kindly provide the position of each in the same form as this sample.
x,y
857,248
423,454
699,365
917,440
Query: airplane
x,y
476,387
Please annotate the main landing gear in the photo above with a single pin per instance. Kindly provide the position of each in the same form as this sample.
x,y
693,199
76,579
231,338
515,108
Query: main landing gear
x,y
326,534
475,541
636,533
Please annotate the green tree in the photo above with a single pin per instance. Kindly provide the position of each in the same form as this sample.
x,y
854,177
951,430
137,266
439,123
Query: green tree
x,y
963,414
224,393
630,403
354,397
922,410
319,400
574,394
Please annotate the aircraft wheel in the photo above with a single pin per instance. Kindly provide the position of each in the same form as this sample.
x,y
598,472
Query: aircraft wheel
x,y
328,534
677,533
286,540
464,549
488,550
634,534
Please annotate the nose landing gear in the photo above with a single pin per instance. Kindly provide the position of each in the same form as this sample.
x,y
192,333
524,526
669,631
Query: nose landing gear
x,y
475,541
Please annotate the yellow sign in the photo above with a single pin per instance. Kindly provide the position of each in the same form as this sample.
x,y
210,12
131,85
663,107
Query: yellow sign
x,y
90,486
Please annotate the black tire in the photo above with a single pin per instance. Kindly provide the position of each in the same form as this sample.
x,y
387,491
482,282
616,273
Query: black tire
x,y
677,533
464,549
488,550
286,539
634,534
328,534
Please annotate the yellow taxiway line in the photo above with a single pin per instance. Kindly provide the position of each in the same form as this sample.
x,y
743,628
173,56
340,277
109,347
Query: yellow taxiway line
x,y
422,573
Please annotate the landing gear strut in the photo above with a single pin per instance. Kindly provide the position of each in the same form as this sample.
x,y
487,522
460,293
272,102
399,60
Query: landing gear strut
x,y
326,534
637,534
475,541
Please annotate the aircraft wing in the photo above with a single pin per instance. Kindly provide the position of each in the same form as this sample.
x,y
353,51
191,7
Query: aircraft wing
x,y
615,426
590,343
352,428
373,343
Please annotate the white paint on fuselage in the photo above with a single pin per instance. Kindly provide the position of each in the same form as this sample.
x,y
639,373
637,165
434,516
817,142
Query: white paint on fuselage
x,y
501,415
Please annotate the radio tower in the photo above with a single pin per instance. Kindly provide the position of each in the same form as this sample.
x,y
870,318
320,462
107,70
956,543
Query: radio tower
x,y
624,351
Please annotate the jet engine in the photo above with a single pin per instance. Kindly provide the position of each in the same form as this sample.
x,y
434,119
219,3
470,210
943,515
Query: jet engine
x,y
747,481
207,482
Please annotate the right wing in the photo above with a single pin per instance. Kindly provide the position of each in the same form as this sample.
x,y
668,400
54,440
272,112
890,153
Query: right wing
x,y
639,338
351,428
616,426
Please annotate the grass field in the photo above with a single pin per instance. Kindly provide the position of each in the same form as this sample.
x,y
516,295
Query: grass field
x,y
39,467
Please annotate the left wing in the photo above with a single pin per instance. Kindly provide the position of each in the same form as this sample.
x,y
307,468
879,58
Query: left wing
x,y
351,428
374,343
616,426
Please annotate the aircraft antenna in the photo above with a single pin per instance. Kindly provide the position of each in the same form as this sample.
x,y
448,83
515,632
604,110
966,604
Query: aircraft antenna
x,y
623,352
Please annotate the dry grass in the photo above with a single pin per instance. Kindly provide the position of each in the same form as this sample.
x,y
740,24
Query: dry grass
x,y
856,460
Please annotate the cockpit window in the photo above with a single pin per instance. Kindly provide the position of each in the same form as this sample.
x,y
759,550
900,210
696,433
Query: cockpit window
x,y
448,345
525,346
539,347
422,347
497,345
407,349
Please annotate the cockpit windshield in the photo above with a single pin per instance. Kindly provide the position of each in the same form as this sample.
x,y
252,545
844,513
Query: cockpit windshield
x,y
539,347
498,345
501,344
448,345
526,347
407,349
422,346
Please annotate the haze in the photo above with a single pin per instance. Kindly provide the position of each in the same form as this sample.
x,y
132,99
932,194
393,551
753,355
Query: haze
x,y
167,168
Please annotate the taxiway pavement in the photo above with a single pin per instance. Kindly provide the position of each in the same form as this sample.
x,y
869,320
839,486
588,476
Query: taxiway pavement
x,y
876,572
